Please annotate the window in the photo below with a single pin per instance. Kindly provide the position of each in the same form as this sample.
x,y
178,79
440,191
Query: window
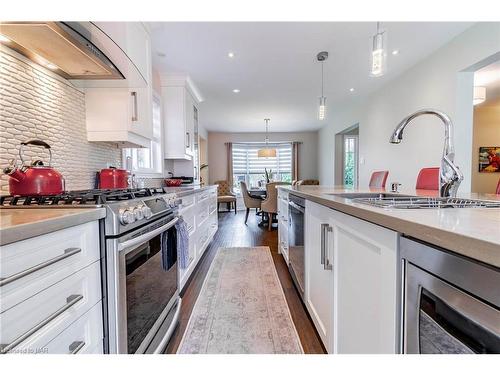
x,y
148,160
351,161
248,167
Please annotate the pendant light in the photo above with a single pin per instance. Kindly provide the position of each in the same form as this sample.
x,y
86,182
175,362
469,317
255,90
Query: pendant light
x,y
379,53
267,152
321,57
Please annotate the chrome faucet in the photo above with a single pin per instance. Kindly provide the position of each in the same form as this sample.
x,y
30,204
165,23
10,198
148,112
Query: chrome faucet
x,y
450,176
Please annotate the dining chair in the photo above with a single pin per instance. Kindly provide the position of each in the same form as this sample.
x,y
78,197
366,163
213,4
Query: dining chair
x,y
270,204
378,179
307,182
251,201
225,195
428,179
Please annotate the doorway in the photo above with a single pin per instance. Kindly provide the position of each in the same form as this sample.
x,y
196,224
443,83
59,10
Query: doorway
x,y
203,161
347,157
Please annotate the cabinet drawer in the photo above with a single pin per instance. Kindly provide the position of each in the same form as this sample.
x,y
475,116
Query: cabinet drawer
x,y
212,205
32,324
200,197
30,266
189,218
84,336
187,201
202,213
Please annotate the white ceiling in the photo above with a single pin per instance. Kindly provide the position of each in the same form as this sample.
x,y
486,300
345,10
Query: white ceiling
x,y
489,77
276,70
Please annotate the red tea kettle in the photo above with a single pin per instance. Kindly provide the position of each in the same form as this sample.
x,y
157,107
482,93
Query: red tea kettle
x,y
112,178
35,179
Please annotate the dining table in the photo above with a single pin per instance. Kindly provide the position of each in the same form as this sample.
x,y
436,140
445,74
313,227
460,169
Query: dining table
x,y
260,191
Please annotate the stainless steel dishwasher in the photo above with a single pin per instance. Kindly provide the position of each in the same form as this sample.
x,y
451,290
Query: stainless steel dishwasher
x,y
451,304
296,215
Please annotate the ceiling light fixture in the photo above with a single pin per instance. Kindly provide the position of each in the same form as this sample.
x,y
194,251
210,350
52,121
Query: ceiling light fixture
x,y
479,95
321,57
4,39
351,89
236,91
230,55
267,152
379,53
395,52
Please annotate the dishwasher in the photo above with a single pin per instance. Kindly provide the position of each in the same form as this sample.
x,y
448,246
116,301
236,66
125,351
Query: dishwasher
x,y
451,304
296,214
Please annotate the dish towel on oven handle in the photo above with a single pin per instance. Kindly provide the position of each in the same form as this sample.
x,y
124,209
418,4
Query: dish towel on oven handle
x,y
182,243
168,247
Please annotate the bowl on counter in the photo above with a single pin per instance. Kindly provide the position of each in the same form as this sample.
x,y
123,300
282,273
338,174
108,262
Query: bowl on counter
x,y
171,182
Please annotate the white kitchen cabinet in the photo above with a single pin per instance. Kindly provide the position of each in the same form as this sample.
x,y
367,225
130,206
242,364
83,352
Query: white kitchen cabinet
x,y
116,115
283,223
365,263
319,273
178,122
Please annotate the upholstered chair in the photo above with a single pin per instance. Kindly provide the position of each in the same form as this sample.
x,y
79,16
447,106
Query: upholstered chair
x,y
225,195
378,179
250,201
270,204
428,179
308,182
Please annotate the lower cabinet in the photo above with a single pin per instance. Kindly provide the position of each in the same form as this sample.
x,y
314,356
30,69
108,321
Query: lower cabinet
x,y
351,281
199,211
283,223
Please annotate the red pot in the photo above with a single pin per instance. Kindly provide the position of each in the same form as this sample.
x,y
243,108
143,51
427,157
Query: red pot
x,y
37,179
113,178
170,182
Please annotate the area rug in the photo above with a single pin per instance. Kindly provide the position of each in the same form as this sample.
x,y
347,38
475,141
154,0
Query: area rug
x,y
241,308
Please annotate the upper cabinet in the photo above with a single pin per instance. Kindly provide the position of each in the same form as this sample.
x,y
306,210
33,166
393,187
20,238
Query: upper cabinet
x,y
180,100
123,114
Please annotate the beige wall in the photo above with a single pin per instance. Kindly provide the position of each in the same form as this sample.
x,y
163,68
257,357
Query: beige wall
x,y
217,162
486,133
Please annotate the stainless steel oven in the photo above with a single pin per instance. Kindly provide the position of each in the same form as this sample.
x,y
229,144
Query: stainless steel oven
x,y
451,305
296,216
143,294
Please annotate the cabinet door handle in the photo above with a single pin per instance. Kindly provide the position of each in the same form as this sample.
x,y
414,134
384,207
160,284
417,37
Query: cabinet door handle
x,y
76,346
67,253
135,112
70,301
188,140
325,229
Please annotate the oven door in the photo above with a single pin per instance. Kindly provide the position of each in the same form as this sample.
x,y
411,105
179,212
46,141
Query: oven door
x,y
144,301
442,319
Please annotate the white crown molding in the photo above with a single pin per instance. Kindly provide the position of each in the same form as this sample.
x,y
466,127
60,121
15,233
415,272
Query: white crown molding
x,y
181,80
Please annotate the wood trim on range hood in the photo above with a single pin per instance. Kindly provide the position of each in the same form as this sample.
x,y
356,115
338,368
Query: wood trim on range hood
x,y
60,48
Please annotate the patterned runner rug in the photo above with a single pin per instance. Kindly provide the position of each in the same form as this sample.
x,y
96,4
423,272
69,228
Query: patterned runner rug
x,y
241,308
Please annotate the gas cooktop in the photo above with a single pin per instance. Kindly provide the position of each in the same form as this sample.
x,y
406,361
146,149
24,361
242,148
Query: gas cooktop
x,y
96,197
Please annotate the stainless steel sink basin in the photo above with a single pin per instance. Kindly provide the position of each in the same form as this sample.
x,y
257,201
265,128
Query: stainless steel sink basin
x,y
410,202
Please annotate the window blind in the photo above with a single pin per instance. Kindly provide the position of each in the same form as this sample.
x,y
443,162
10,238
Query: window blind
x,y
246,161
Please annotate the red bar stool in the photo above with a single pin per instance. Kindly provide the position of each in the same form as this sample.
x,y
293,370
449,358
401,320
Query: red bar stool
x,y
428,179
378,179
498,187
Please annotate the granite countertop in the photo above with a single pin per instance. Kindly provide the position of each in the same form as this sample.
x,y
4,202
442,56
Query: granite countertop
x,y
18,224
473,232
181,191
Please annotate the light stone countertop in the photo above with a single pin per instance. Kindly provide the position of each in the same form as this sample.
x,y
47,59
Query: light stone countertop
x,y
18,224
181,191
472,232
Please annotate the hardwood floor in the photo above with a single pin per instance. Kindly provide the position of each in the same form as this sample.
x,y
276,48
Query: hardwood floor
x,y
232,233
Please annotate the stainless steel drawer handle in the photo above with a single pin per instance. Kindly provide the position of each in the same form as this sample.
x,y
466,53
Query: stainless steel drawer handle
x,y
70,301
135,115
325,229
67,253
76,346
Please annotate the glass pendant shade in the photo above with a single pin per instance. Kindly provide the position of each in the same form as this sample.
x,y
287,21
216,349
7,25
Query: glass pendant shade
x,y
267,153
378,63
322,108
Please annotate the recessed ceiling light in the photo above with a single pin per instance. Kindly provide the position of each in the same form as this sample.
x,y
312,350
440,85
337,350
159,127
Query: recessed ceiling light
x,y
351,89
395,52
4,39
230,55
236,91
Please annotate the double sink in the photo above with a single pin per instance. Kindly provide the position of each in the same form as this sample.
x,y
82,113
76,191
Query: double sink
x,y
400,201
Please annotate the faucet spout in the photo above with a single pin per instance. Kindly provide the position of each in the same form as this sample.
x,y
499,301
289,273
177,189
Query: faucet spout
x,y
450,175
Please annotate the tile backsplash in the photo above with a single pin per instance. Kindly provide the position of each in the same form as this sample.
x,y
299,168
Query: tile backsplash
x,y
36,104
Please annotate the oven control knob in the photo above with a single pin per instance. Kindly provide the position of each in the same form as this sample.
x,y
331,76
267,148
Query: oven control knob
x,y
127,216
139,213
146,212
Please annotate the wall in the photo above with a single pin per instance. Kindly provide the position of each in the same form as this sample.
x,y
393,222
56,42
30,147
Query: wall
x,y
486,133
440,81
36,104
217,162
